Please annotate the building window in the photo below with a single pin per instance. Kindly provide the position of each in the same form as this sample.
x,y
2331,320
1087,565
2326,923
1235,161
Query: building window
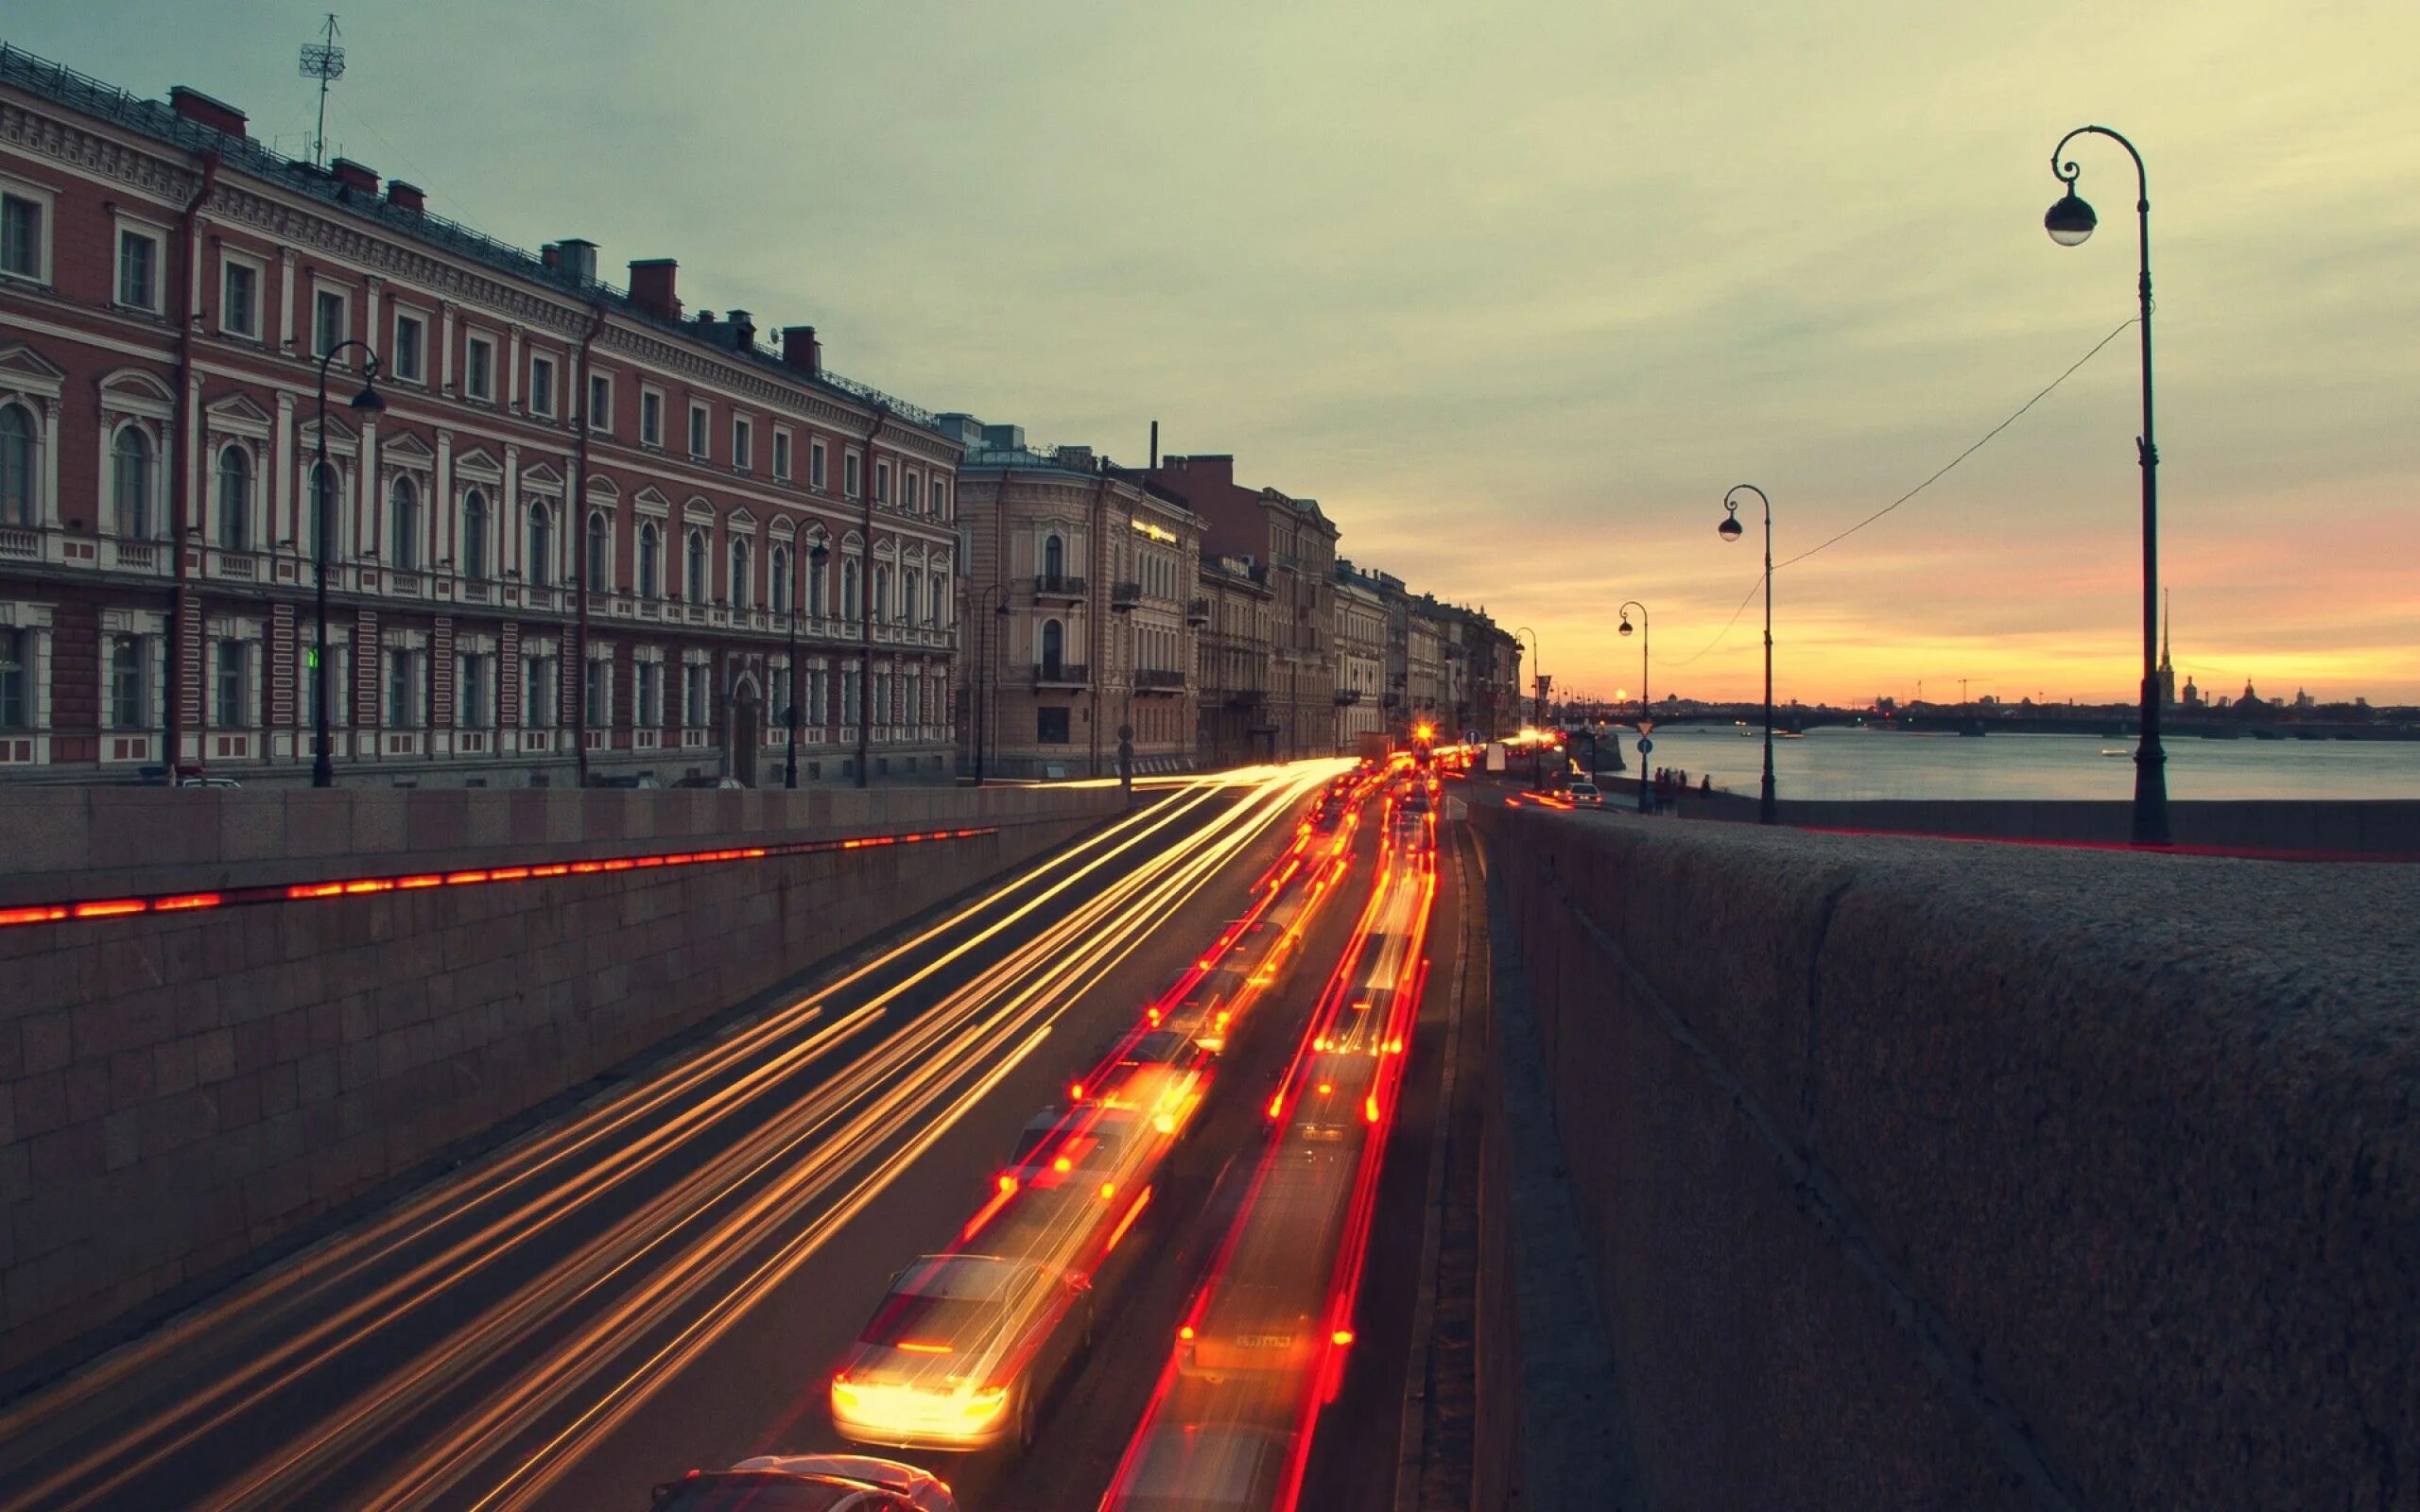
x,y
597,693
130,483
226,685
324,510
815,465
600,554
1050,727
782,456
138,270
777,567
328,322
475,535
882,698
651,695
17,466
542,547
912,595
600,403
693,696
475,691
880,602
16,680
403,709
815,579
941,499
849,590
740,586
743,442
693,571
650,561
130,688
235,499
25,242
699,442
1054,558
912,493
403,518
1054,650
882,483
650,417
239,299
541,700
478,368
406,357
849,474
541,385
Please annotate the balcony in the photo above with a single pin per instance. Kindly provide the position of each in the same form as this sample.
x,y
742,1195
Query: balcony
x,y
1062,674
1159,679
1347,696
1197,612
1246,697
1125,596
1059,586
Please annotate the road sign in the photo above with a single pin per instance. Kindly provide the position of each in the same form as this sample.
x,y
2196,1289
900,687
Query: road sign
x,y
1645,745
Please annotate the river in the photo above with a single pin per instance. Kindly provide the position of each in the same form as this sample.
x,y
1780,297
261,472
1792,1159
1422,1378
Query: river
x,y
1840,762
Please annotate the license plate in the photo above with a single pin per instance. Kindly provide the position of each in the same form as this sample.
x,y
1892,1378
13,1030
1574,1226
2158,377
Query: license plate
x,y
1265,1341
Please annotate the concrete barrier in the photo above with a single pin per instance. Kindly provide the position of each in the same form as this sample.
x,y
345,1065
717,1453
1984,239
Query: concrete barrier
x,y
1928,1176
180,1093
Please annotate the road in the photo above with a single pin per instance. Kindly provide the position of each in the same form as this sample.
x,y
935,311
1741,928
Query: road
x,y
665,1278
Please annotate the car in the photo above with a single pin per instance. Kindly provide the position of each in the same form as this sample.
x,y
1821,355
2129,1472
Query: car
x,y
962,1352
808,1483
1203,1467
1585,793
1063,1144
707,780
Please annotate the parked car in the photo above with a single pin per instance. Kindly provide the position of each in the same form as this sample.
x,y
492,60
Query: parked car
x,y
962,1352
808,1483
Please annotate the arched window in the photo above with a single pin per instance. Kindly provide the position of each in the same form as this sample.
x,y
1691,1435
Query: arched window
x,y
1054,649
475,535
778,565
816,552
693,572
130,483
542,547
881,592
740,586
16,465
912,595
938,594
324,509
849,588
402,526
235,499
650,561
1054,558
600,554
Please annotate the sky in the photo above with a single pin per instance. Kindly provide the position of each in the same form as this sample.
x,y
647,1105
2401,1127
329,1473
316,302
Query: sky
x,y
1518,291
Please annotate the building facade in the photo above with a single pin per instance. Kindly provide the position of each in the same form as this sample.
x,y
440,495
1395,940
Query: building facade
x,y
1295,547
1098,571
1360,657
567,531
1235,724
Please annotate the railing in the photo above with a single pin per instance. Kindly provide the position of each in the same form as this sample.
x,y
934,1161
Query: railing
x,y
1126,596
1160,677
1058,585
239,566
1196,610
476,590
1061,675
134,555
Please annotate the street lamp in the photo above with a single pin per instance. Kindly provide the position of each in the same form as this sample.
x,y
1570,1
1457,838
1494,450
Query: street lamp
x,y
1126,726
1537,705
815,556
984,658
1645,704
2069,222
1731,530
324,768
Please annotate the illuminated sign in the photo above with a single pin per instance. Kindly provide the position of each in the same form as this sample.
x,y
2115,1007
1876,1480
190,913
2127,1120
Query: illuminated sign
x,y
1145,527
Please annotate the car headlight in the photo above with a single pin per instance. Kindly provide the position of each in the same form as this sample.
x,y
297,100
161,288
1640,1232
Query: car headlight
x,y
984,1402
843,1394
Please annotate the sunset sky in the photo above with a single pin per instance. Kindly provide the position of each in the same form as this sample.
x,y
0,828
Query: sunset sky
x,y
1517,290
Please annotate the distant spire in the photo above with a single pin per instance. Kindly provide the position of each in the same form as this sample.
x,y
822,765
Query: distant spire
x,y
2166,612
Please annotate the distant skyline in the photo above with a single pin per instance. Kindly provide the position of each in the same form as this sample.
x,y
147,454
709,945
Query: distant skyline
x,y
1516,294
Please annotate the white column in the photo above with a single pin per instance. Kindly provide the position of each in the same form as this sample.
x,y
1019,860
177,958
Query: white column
x,y
513,368
449,544
284,520
445,349
513,538
50,515
371,534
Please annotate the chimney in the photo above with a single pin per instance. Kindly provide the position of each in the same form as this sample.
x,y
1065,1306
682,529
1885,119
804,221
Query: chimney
x,y
651,286
743,331
577,258
193,104
406,197
551,254
354,176
800,351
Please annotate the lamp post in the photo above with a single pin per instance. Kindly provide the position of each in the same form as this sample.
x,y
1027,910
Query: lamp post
x,y
323,768
2069,222
983,657
1537,705
815,558
1731,530
1126,724
1644,703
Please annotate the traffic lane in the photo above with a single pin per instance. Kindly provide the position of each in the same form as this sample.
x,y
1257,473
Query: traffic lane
x,y
763,1387
1086,1432
1354,1454
400,1332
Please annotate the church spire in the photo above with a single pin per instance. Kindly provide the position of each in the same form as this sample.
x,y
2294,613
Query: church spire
x,y
2167,669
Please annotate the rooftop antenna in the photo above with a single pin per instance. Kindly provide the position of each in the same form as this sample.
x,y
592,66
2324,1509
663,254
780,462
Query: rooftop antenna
x,y
325,61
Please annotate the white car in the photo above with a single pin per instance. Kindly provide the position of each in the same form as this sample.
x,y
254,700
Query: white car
x,y
1585,793
808,1483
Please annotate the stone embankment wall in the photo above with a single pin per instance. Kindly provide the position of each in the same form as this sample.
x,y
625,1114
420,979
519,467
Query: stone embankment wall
x,y
1914,1175
179,1092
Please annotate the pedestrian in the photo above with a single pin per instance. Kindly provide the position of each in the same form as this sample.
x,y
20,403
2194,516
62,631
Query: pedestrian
x,y
1705,786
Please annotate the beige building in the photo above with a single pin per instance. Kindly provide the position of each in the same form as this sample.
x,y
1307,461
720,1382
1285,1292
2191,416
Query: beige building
x,y
1360,657
1080,603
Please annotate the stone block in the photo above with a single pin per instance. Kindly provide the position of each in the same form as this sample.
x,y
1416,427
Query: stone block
x,y
44,831
214,1055
380,827
152,827
47,1040
251,828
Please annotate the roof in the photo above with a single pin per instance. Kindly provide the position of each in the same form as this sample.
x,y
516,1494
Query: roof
x,y
90,97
